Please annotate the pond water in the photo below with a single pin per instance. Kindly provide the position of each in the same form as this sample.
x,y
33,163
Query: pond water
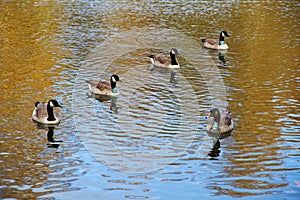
x,y
150,142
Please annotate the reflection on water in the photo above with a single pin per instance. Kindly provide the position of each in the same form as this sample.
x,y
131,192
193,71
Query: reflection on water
x,y
215,151
50,137
43,46
113,105
222,58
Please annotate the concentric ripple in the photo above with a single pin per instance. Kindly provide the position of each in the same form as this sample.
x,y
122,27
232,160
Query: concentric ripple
x,y
156,116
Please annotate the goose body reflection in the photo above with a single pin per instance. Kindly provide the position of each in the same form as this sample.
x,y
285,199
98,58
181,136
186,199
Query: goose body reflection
x,y
113,105
215,150
221,57
172,78
161,70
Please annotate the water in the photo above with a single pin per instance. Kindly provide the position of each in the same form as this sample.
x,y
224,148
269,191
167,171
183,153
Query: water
x,y
150,142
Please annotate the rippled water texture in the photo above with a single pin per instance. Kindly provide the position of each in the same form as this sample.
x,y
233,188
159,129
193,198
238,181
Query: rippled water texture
x,y
149,142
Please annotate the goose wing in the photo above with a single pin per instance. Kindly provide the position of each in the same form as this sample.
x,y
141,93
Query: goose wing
x,y
226,118
103,85
41,110
100,85
226,123
212,41
163,59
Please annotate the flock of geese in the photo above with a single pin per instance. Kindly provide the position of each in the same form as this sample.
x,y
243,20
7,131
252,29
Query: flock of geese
x,y
44,113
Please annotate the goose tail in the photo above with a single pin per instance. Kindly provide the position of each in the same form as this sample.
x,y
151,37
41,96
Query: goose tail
x,y
203,39
36,103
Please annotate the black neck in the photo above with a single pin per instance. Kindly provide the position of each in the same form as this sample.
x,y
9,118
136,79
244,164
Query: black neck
x,y
221,38
173,59
113,84
50,113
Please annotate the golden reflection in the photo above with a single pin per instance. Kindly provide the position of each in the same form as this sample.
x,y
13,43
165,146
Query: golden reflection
x,y
29,50
257,77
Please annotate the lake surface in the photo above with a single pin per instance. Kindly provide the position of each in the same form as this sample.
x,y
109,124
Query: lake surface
x,y
150,142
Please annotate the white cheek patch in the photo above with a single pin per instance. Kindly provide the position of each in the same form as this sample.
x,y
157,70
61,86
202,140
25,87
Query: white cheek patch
x,y
173,52
223,35
113,79
51,104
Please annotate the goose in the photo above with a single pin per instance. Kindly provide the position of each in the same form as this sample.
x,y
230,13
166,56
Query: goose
x,y
104,88
216,43
166,61
43,112
219,123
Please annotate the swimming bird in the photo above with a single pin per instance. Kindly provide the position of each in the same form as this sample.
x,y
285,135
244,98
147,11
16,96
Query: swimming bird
x,y
166,61
105,88
219,123
216,43
43,112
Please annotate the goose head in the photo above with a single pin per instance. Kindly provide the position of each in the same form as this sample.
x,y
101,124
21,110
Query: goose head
x,y
113,81
173,51
53,103
114,78
223,34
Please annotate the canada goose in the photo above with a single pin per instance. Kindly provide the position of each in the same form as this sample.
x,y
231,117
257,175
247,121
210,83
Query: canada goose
x,y
219,123
104,88
167,61
43,113
216,43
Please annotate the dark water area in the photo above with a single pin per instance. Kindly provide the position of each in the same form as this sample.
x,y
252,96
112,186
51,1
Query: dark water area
x,y
150,142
